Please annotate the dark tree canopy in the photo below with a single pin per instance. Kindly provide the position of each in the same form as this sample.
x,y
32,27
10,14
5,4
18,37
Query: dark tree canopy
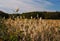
x,y
3,14
44,15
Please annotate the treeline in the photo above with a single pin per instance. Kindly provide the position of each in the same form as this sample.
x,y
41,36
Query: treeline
x,y
44,15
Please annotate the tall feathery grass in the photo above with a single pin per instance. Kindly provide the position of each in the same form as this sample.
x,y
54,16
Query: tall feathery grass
x,y
29,29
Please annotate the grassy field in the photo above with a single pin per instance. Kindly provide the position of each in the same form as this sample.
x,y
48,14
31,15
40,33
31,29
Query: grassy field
x,y
29,30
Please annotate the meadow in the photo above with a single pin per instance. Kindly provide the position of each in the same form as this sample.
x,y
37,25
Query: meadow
x,y
19,29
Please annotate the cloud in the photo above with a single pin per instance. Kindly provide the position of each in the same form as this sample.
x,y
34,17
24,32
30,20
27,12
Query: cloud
x,y
25,5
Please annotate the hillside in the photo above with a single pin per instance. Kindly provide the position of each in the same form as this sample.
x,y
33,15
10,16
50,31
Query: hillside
x,y
3,14
44,15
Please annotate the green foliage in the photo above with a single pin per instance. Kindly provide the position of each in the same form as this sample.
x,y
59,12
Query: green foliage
x,y
13,38
3,32
44,15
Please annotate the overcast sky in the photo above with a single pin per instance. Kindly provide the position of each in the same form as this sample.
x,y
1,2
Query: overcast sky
x,y
29,5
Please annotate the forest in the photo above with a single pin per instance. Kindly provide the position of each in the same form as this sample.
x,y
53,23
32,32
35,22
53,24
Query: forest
x,y
44,15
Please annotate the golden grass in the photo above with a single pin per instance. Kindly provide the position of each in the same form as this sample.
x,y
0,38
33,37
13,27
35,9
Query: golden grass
x,y
34,29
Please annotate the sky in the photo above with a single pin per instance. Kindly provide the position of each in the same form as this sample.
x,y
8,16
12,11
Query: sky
x,y
10,6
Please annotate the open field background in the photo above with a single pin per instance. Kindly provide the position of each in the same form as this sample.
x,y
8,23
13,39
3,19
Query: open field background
x,y
29,29
31,26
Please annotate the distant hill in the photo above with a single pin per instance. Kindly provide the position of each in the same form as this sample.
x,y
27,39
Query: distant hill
x,y
44,15
3,14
